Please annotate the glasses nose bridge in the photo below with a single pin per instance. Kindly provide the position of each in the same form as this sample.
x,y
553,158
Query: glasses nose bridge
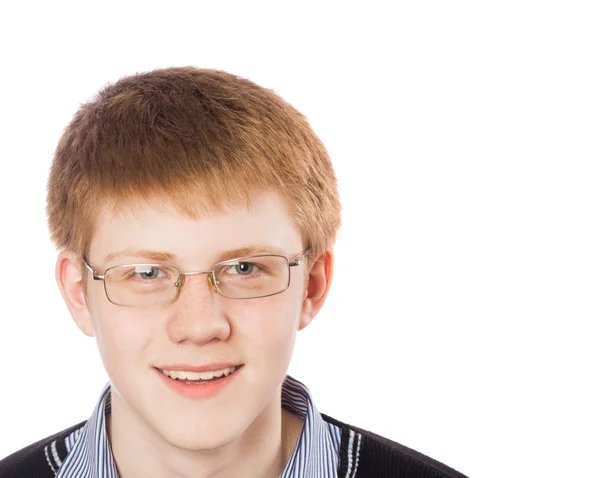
x,y
210,278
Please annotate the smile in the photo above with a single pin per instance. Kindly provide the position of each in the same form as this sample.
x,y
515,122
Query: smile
x,y
187,376
197,385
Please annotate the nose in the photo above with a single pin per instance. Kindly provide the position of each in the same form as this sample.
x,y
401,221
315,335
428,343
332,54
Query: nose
x,y
198,315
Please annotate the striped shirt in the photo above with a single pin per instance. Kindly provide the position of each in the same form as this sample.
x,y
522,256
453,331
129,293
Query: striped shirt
x,y
315,455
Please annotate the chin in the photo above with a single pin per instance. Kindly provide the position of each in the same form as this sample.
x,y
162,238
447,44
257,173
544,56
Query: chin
x,y
194,439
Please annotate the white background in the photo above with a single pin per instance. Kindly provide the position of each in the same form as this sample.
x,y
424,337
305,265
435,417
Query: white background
x,y
462,321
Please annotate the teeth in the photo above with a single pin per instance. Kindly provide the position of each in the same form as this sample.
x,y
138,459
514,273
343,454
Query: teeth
x,y
201,376
184,375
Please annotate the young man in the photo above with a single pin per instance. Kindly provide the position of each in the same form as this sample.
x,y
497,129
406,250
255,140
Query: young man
x,y
196,214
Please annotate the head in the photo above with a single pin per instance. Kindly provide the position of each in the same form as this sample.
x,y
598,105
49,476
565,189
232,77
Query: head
x,y
185,167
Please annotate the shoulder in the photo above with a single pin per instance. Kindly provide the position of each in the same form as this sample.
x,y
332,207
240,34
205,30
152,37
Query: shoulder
x,y
364,454
40,459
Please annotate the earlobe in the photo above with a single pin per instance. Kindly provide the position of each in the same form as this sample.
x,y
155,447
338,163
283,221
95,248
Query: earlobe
x,y
70,283
317,288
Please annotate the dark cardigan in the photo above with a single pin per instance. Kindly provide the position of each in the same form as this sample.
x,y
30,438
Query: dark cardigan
x,y
362,455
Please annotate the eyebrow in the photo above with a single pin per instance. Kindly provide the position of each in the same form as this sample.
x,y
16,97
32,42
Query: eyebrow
x,y
249,251
161,256
142,253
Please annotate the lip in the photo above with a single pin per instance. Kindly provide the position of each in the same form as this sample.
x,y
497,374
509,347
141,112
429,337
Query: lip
x,y
198,368
197,391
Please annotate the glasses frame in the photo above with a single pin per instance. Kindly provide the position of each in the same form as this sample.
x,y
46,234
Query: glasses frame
x,y
212,280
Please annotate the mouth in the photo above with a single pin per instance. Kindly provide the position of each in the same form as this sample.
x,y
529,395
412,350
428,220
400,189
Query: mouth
x,y
198,378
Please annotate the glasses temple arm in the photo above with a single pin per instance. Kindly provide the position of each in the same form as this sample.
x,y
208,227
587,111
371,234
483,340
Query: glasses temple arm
x,y
91,269
300,257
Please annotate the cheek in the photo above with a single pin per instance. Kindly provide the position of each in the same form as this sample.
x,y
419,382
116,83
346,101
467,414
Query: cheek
x,y
121,333
270,324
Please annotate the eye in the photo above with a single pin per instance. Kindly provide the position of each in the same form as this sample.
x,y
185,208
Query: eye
x,y
242,268
147,272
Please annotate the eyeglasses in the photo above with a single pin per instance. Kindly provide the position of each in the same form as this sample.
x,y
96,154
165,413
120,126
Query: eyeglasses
x,y
148,285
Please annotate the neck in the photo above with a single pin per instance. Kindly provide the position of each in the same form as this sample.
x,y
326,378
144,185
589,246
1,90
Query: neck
x,y
262,451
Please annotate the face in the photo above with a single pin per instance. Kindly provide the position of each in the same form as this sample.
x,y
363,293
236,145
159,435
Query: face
x,y
201,329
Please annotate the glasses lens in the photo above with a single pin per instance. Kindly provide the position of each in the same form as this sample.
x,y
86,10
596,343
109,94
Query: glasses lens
x,y
141,285
252,277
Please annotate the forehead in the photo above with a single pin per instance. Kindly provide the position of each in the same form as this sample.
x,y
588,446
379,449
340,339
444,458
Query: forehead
x,y
161,228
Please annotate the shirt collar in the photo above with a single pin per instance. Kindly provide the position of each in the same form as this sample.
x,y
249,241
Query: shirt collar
x,y
90,455
316,454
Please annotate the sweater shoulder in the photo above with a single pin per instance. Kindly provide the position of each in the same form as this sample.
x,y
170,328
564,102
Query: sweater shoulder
x,y
370,455
40,459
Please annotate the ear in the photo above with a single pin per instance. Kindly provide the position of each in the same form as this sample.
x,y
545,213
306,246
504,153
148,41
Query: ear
x,y
317,287
70,283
